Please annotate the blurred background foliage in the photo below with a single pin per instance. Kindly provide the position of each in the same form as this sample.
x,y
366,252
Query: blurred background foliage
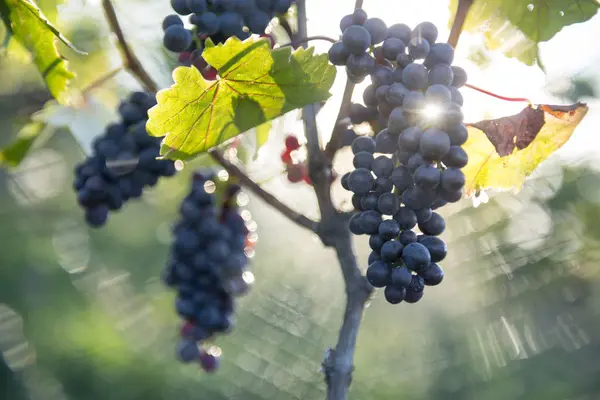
x,y
84,316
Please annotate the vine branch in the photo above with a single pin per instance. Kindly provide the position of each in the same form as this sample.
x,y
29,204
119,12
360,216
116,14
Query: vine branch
x,y
300,41
459,21
248,183
333,232
131,62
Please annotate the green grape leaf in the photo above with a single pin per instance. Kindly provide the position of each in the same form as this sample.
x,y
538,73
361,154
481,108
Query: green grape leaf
x,y
503,152
25,22
15,152
516,27
255,85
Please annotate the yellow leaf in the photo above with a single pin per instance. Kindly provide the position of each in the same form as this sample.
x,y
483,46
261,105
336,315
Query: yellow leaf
x,y
504,152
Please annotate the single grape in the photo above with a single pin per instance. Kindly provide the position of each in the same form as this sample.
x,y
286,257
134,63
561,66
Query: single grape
x,y
451,116
231,23
427,176
196,6
397,121
434,144
433,275
257,21
410,138
382,166
369,97
394,294
415,76
385,142
406,218
177,38
414,102
359,16
355,224
440,53
187,350
407,237
388,204
371,221
389,229
436,246
415,290
415,161
450,196
434,226
346,22
392,47
369,201
171,20
397,74
391,251
180,7
360,65
460,77
457,97
383,185
338,54
402,179
403,60
438,203
379,274
458,134
376,242
452,179
377,29
382,75
441,74
356,39
363,143
208,23
395,94
363,159
456,157
418,48
373,257
401,277
427,31
96,216
399,31
416,257
438,94
361,181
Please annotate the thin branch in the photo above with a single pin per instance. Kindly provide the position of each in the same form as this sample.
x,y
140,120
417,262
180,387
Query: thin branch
x,y
459,21
497,96
267,197
300,41
337,138
132,63
102,80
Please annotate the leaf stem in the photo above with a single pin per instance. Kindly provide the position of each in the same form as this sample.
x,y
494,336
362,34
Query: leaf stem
x,y
459,21
497,96
300,41
247,182
131,62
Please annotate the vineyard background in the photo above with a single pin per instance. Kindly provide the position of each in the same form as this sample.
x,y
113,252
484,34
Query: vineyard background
x,y
83,314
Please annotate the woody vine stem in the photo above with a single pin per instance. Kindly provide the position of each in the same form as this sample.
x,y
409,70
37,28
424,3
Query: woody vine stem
x,y
332,228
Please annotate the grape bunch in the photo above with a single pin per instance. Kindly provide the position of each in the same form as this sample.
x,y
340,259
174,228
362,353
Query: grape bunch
x,y
219,20
123,163
208,267
413,165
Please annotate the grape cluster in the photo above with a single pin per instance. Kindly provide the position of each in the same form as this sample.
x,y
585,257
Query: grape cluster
x,y
208,266
217,19
414,95
123,163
